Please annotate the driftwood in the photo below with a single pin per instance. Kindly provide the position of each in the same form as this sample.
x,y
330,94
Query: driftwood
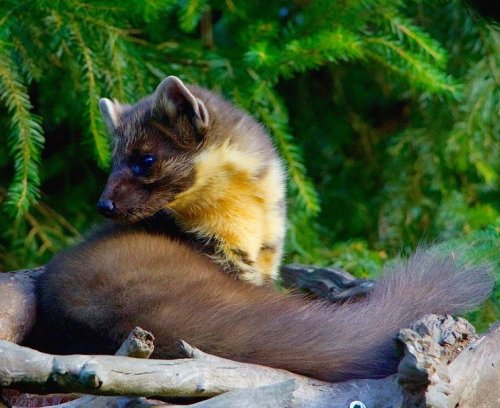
x,y
200,375
444,364
17,304
327,283
139,344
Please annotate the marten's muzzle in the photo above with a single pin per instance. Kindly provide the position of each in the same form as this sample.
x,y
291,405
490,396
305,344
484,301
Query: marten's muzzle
x,y
106,207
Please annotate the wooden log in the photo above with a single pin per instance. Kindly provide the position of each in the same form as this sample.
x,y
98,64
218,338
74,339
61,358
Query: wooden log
x,y
447,365
138,344
475,374
268,396
17,303
201,375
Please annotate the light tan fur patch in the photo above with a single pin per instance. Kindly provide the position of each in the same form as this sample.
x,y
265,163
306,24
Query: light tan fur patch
x,y
238,200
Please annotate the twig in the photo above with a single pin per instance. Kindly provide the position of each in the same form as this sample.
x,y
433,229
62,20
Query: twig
x,y
138,344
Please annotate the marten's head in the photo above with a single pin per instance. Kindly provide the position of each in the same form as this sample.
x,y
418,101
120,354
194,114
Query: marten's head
x,y
155,142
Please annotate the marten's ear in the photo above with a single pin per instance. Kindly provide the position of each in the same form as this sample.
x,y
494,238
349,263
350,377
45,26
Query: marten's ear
x,y
174,100
110,113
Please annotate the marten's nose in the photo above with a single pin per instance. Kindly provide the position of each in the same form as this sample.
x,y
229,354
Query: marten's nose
x,y
106,207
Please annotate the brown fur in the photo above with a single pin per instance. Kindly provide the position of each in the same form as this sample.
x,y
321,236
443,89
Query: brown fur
x,y
93,294
217,189
217,173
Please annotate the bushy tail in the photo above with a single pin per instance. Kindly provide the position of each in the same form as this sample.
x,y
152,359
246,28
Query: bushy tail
x,y
428,282
362,333
356,340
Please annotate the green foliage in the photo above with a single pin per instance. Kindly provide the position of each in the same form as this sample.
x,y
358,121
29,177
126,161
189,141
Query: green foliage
x,y
25,140
385,113
481,247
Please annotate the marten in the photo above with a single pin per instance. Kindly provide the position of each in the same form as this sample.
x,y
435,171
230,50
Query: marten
x,y
213,168
196,199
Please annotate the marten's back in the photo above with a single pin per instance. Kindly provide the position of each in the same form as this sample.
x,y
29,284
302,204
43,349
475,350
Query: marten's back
x,y
95,293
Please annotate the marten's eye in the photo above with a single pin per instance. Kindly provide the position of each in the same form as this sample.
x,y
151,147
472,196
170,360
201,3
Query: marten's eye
x,y
141,165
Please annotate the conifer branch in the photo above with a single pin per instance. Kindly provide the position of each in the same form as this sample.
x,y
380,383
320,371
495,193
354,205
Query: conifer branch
x,y
273,114
402,61
100,141
26,140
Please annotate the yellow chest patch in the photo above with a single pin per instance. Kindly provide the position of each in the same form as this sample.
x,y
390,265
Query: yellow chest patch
x,y
238,200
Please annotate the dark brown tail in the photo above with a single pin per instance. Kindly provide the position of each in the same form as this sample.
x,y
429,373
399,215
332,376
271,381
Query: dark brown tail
x,y
356,340
107,288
